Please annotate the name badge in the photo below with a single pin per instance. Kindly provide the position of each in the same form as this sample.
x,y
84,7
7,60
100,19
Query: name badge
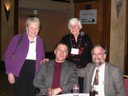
x,y
75,51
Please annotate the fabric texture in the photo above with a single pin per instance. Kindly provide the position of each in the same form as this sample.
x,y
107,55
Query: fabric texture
x,y
84,45
45,77
113,81
14,63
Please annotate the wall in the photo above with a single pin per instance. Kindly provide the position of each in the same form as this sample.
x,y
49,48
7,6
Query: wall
x,y
117,34
51,32
7,28
53,15
54,26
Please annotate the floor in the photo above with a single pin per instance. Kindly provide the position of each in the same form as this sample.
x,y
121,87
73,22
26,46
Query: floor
x,y
5,87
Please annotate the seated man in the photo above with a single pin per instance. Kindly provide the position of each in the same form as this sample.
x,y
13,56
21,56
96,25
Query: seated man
x,y
106,79
56,76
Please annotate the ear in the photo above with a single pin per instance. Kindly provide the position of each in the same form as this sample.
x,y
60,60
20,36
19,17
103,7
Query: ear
x,y
26,28
55,51
104,56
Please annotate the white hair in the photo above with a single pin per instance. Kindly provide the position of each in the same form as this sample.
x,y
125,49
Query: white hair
x,y
74,21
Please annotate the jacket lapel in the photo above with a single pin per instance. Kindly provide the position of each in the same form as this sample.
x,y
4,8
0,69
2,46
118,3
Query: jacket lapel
x,y
64,72
51,72
89,78
106,78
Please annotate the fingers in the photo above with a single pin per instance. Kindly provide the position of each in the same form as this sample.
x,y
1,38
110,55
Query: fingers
x,y
11,78
44,60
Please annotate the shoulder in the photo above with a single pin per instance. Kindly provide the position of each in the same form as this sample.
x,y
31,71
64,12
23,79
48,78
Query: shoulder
x,y
85,36
66,36
50,62
39,38
113,68
46,64
68,63
90,66
16,37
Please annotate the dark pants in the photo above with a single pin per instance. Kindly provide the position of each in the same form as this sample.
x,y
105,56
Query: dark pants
x,y
24,83
81,83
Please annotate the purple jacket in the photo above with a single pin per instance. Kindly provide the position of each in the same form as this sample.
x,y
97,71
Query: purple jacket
x,y
14,64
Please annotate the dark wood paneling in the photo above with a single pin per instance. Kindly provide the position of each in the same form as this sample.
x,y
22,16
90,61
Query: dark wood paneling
x,y
126,42
0,28
16,15
100,32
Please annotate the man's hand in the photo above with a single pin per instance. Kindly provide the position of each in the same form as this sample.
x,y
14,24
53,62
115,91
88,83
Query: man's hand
x,y
54,92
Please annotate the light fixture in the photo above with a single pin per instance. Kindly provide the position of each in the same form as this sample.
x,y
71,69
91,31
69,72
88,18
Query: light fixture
x,y
118,6
7,7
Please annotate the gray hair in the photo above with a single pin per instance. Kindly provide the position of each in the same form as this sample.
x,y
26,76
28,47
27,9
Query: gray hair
x,y
100,46
74,21
32,19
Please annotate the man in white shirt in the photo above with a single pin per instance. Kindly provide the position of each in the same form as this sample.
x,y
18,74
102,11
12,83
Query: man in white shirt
x,y
110,77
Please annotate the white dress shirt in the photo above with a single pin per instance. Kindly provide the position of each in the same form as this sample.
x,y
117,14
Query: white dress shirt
x,y
100,87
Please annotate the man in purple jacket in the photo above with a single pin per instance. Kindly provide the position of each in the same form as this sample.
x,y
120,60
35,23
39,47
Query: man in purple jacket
x,y
22,58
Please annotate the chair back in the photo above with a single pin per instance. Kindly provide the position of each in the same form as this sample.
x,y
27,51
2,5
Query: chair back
x,y
126,85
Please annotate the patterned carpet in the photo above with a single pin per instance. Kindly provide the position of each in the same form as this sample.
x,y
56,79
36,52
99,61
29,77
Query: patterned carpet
x,y
5,87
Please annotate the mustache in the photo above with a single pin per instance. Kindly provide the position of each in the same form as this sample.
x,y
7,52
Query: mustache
x,y
100,62
97,58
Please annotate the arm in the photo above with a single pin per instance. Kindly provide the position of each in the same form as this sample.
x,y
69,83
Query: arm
x,y
119,83
39,81
9,56
81,71
70,79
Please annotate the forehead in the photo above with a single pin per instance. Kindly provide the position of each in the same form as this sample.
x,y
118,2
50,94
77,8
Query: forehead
x,y
62,46
97,49
74,25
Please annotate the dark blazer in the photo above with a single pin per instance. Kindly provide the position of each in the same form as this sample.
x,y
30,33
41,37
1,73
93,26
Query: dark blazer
x,y
114,83
45,77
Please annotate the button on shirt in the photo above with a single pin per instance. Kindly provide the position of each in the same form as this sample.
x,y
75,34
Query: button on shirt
x,y
100,87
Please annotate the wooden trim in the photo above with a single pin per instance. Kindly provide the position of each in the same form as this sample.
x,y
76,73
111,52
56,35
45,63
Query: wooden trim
x,y
0,26
106,23
79,1
126,42
16,16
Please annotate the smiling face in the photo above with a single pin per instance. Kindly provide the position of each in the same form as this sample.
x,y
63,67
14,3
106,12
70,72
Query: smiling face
x,y
74,29
74,25
98,55
61,53
32,29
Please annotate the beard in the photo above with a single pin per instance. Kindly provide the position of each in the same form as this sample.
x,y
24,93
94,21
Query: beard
x,y
97,62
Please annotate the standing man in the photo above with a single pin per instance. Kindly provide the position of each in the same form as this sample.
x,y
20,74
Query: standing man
x,y
56,76
110,80
80,46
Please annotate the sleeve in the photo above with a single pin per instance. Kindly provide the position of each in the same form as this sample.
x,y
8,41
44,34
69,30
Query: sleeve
x,y
87,50
73,79
9,54
39,81
119,82
65,39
